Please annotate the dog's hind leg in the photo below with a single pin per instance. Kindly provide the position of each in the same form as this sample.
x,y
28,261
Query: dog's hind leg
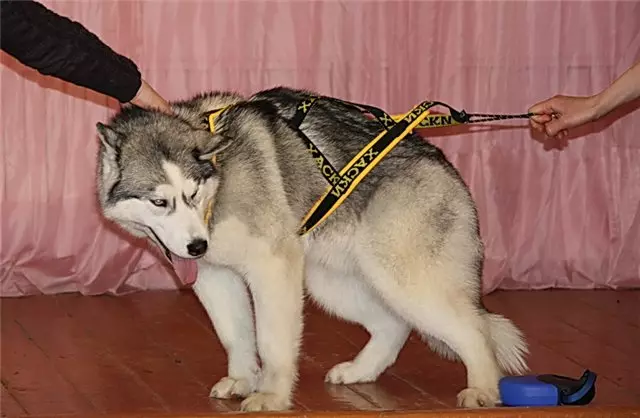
x,y
353,300
224,296
431,298
419,247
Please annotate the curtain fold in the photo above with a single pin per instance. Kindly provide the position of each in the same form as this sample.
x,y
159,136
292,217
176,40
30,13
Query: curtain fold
x,y
564,216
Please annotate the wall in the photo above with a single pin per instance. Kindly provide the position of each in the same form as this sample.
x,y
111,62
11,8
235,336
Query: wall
x,y
563,216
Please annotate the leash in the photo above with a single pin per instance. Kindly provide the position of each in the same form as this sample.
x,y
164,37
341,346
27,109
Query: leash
x,y
455,117
395,128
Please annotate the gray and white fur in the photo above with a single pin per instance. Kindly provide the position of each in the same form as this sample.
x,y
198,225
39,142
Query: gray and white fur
x,y
403,251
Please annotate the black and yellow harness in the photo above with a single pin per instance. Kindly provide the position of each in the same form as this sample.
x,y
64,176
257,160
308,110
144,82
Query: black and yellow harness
x,y
342,183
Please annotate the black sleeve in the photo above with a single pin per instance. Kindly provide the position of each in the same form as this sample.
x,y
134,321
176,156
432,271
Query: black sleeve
x,y
57,46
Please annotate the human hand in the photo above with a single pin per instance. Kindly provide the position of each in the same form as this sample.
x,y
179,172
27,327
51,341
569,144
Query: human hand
x,y
148,98
556,115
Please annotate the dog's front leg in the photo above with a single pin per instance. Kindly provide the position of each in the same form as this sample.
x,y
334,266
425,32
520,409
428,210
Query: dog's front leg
x,y
276,279
224,296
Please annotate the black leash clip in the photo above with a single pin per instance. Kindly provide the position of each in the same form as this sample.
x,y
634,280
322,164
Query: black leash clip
x,y
460,117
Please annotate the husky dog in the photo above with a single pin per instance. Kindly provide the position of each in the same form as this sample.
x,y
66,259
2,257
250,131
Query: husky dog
x,y
403,252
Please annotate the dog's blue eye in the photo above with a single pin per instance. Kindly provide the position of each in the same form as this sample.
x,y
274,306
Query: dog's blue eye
x,y
161,203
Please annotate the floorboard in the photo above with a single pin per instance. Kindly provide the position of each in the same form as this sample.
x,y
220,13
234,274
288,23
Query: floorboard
x,y
155,354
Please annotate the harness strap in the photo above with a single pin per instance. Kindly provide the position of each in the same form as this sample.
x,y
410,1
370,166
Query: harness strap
x,y
210,121
396,127
353,173
302,109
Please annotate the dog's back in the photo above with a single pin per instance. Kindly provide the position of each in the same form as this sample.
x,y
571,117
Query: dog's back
x,y
340,131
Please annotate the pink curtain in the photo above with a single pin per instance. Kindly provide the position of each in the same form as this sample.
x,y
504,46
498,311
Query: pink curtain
x,y
564,216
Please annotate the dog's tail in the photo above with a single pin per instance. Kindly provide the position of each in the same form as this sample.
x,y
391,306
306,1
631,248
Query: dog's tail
x,y
508,343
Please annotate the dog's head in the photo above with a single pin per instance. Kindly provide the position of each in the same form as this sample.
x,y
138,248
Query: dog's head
x,y
156,178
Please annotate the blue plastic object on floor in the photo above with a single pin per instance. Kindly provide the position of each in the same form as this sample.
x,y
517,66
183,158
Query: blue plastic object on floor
x,y
547,390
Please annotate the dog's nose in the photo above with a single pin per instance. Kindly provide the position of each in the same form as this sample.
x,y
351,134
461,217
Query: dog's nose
x,y
197,247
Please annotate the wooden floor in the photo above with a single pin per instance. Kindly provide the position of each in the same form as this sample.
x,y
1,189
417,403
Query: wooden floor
x,y
155,352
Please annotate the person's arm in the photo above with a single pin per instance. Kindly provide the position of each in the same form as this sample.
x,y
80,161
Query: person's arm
x,y
621,91
560,113
57,46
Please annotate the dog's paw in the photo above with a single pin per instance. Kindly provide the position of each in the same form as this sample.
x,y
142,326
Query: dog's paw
x,y
229,387
349,372
478,398
263,401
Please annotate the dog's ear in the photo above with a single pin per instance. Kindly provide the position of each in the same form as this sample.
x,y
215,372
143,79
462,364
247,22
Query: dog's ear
x,y
109,137
109,171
